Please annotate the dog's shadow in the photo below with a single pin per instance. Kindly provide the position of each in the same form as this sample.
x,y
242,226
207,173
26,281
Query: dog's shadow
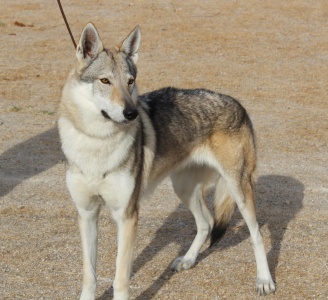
x,y
28,159
279,199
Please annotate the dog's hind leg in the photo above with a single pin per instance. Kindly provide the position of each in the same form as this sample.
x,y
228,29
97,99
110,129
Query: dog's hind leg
x,y
188,185
244,197
236,162
88,207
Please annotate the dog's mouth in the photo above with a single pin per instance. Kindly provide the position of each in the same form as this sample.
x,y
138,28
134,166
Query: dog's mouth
x,y
106,116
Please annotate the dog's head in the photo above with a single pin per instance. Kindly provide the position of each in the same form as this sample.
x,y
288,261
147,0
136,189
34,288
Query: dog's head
x,y
109,77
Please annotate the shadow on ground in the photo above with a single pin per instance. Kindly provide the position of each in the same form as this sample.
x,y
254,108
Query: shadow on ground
x,y
279,199
28,159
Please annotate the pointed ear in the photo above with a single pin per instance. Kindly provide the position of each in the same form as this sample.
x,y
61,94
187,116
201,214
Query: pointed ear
x,y
89,46
131,44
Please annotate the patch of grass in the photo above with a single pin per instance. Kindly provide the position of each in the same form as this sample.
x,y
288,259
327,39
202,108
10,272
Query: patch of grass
x,y
49,113
2,24
15,108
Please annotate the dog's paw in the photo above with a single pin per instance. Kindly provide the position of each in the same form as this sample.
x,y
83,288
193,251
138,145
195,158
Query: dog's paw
x,y
265,287
181,263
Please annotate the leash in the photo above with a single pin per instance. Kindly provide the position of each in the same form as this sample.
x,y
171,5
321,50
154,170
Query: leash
x,y
67,26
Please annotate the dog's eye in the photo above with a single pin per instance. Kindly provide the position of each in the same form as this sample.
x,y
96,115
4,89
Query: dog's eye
x,y
131,81
105,81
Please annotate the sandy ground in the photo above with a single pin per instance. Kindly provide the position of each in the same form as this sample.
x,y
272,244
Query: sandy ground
x,y
272,55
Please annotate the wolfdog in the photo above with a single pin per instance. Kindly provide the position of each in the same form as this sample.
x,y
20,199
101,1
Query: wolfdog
x,y
120,145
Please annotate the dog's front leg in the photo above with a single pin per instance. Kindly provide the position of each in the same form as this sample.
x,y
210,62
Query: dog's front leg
x,y
88,223
88,207
127,229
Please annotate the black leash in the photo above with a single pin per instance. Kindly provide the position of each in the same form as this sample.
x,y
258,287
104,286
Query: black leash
x,y
69,30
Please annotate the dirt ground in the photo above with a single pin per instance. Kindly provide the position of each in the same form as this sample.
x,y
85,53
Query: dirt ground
x,y
272,55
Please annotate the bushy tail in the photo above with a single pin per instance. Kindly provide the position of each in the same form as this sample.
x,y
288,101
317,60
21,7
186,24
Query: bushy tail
x,y
224,207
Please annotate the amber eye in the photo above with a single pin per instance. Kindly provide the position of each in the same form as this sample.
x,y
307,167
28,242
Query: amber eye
x,y
131,81
105,81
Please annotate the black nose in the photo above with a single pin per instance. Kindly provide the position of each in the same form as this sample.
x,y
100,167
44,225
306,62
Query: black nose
x,y
130,113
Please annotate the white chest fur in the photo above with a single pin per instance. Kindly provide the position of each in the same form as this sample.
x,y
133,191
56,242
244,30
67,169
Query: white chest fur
x,y
98,160
93,156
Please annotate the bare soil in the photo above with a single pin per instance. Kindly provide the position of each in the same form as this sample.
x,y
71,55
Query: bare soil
x,y
272,55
